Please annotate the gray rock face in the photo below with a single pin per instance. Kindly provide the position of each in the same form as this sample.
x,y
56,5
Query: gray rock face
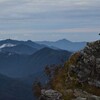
x,y
92,97
50,95
83,95
88,64
80,98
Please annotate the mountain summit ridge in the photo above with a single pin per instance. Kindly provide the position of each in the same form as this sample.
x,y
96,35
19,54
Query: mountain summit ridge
x,y
64,44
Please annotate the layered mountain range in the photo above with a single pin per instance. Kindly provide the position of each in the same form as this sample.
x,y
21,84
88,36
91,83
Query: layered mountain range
x,y
23,61
65,44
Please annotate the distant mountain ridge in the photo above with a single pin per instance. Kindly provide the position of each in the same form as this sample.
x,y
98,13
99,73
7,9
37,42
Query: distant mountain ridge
x,y
20,47
21,58
25,60
65,44
25,68
16,42
16,65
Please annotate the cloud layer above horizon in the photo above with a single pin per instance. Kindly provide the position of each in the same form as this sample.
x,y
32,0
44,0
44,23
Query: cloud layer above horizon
x,y
75,20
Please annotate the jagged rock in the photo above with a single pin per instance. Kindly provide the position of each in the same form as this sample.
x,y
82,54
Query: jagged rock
x,y
89,98
83,68
88,64
50,95
94,82
82,95
80,98
93,97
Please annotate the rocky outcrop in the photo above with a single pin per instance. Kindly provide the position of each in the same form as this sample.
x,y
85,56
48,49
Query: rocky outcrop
x,y
92,97
78,94
79,79
87,66
83,95
50,95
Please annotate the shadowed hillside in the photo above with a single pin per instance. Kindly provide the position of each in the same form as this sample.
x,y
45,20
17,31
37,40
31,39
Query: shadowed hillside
x,y
11,89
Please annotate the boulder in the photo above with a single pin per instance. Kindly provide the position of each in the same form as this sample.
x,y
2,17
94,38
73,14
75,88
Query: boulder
x,y
50,95
93,97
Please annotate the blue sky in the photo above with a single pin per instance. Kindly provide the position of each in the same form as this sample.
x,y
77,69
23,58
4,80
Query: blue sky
x,y
75,20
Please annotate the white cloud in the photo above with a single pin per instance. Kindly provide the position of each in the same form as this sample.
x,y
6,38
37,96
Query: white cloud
x,y
34,31
21,17
15,8
81,34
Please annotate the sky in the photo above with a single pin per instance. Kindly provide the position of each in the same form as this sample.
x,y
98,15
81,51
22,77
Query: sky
x,y
75,20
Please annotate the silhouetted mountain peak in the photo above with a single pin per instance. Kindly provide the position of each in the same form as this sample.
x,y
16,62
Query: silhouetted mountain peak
x,y
65,44
44,51
47,50
63,40
9,40
29,41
